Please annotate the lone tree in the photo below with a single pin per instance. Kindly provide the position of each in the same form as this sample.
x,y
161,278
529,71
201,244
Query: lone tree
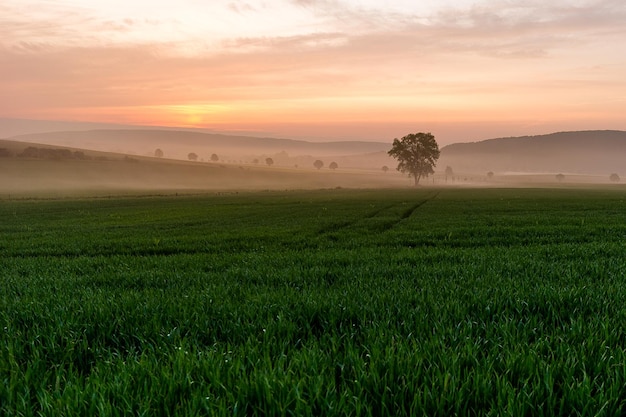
x,y
614,177
333,165
158,153
192,156
215,158
449,173
318,164
385,168
417,154
269,162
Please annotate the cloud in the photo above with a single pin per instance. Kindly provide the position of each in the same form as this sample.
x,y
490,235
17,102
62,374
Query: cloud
x,y
314,3
511,56
241,7
501,15
501,29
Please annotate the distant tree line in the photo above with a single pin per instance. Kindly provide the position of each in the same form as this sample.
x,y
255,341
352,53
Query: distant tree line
x,y
51,153
192,156
130,159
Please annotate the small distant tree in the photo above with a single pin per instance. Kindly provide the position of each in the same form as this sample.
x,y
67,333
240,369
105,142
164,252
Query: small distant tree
x,y
158,153
269,162
318,164
490,175
449,172
614,177
255,161
385,168
215,158
192,156
560,177
333,165
417,154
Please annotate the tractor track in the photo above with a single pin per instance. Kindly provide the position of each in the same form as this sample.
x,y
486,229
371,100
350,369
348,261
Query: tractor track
x,y
412,209
335,227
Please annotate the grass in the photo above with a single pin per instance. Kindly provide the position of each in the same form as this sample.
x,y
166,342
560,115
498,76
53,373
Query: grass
x,y
335,302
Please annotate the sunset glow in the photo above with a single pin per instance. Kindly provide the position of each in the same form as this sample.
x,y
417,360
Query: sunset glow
x,y
319,69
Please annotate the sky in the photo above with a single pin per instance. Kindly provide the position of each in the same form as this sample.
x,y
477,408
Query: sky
x,y
319,69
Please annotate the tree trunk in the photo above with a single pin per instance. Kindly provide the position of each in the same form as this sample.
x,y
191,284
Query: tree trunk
x,y
417,179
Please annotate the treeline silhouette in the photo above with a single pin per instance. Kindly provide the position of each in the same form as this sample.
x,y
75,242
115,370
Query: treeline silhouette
x,y
51,153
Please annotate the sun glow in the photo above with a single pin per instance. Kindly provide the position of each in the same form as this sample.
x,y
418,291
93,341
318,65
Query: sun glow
x,y
233,65
193,115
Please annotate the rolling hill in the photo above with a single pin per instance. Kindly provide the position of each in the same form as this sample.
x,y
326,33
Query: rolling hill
x,y
31,169
584,152
75,161
178,144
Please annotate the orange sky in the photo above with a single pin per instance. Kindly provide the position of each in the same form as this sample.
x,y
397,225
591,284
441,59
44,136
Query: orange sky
x,y
319,69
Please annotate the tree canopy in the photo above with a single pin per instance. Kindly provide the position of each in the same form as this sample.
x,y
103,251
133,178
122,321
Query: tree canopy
x,y
417,154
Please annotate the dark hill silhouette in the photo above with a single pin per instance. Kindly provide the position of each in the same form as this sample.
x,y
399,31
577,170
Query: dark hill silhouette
x,y
597,152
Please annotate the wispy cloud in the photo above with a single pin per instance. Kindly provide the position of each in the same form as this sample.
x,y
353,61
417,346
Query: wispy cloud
x,y
242,7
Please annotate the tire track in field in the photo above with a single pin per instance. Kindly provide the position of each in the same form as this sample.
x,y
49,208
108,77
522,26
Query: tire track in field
x,y
409,212
375,213
413,208
335,227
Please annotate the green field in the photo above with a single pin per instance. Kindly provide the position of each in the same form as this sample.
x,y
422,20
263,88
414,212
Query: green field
x,y
333,302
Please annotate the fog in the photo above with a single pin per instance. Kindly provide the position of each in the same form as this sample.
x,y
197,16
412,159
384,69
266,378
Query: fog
x,y
36,169
114,161
231,149
96,173
582,154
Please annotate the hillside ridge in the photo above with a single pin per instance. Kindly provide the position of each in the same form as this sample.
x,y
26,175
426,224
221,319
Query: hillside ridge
x,y
586,152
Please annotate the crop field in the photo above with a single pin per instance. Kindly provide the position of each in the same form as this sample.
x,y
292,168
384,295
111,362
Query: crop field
x,y
332,302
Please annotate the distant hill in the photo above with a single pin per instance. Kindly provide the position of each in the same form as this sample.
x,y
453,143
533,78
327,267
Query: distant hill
x,y
598,152
10,127
32,169
583,152
178,144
